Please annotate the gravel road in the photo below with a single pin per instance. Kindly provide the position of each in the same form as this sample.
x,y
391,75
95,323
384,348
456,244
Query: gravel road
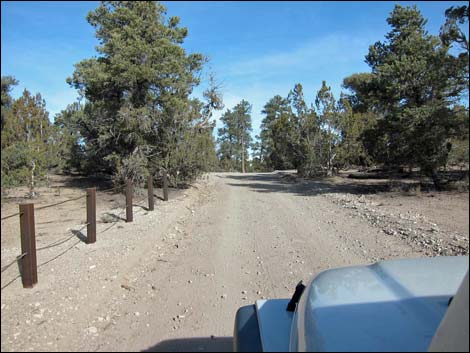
x,y
233,239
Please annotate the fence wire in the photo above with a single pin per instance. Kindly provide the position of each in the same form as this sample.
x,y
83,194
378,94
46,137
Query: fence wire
x,y
113,188
19,257
12,215
115,222
59,203
59,255
139,202
62,241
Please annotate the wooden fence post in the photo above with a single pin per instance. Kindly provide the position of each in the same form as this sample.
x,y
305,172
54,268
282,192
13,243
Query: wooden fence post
x,y
129,216
150,191
165,186
29,266
91,215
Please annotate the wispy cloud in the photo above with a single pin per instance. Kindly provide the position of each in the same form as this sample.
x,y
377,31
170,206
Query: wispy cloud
x,y
325,53
259,78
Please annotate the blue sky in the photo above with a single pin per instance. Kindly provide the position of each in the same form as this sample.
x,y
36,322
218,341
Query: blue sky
x,y
256,49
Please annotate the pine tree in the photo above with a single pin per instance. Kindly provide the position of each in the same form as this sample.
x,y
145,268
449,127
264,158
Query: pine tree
x,y
24,155
68,125
351,126
139,115
328,119
414,88
279,134
234,137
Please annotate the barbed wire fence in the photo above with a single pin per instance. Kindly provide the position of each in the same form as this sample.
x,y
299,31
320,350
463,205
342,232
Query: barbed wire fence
x,y
27,262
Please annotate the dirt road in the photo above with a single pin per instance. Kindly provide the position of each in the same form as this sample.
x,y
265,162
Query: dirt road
x,y
178,283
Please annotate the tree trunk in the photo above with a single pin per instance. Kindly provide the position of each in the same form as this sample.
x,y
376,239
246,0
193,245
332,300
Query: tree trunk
x,y
410,170
329,156
32,194
436,180
243,155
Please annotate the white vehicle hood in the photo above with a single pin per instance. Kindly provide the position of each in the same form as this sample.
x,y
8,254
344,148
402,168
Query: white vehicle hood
x,y
394,305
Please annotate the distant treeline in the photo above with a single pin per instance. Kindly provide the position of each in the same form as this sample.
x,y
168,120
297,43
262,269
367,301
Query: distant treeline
x,y
136,118
406,112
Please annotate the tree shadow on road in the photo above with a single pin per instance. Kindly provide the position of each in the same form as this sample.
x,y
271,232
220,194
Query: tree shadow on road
x,y
285,183
194,344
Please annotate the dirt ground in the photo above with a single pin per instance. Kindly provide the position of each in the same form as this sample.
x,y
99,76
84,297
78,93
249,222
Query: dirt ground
x,y
55,222
173,279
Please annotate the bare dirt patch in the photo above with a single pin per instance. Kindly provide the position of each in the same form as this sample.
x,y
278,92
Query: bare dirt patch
x,y
83,289
434,222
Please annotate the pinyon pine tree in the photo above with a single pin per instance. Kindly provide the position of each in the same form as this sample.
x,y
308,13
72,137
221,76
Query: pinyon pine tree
x,y
413,82
140,118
